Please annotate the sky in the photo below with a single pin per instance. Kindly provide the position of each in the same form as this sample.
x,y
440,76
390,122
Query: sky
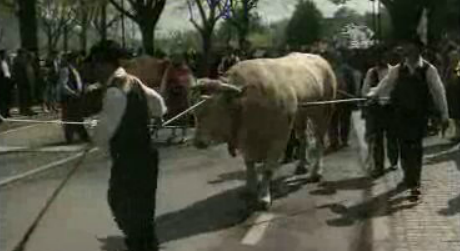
x,y
176,18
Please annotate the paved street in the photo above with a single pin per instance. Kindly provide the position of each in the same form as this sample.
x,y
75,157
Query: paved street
x,y
200,205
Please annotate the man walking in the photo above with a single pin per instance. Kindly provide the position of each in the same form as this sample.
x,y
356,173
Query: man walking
x,y
380,121
412,87
24,79
5,85
123,129
339,130
71,88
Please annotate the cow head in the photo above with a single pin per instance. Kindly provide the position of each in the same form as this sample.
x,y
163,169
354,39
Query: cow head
x,y
216,117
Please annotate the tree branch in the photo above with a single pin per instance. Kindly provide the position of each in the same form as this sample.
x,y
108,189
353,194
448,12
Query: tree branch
x,y
122,10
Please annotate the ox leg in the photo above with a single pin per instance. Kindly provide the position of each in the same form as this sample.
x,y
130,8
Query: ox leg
x,y
319,131
184,134
251,179
303,145
251,184
265,195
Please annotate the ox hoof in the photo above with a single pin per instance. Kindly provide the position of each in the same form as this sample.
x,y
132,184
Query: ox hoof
x,y
262,206
315,178
300,170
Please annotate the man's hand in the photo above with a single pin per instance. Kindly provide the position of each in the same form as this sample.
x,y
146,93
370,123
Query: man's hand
x,y
444,126
231,150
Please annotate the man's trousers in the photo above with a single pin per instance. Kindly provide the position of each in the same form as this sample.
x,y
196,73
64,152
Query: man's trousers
x,y
72,112
340,125
132,197
411,131
380,125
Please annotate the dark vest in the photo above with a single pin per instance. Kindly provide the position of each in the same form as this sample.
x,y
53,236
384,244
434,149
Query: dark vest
x,y
411,101
132,136
411,94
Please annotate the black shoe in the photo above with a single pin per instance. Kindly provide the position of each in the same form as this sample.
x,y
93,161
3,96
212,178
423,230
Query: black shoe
x,y
377,173
393,167
315,178
300,170
415,195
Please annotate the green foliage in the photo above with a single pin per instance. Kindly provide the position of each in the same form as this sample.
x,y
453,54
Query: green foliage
x,y
305,26
228,32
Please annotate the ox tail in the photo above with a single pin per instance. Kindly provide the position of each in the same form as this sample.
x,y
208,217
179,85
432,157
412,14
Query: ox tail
x,y
332,93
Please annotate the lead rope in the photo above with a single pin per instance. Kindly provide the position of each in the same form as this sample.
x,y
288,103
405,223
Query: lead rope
x,y
31,229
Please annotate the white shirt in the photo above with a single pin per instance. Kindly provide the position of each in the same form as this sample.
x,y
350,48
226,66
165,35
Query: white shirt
x,y
435,85
5,69
381,73
113,109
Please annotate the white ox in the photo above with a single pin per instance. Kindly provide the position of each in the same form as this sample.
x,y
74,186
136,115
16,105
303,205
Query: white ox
x,y
257,105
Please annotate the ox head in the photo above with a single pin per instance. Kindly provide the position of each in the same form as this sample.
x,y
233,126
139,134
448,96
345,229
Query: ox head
x,y
216,117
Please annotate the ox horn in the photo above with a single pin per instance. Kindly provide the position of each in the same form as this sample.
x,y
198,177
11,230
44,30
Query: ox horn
x,y
205,83
230,88
215,85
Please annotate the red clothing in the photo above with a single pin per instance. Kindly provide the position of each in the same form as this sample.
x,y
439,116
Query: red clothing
x,y
177,92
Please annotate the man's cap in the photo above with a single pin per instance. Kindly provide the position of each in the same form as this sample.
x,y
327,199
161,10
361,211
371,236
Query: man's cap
x,y
415,40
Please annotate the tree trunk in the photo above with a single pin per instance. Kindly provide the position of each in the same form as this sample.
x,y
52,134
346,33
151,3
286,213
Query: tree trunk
x,y
206,36
66,39
148,36
244,28
27,15
103,24
84,37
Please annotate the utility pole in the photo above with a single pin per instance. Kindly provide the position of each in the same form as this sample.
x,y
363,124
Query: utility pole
x,y
374,20
123,35
379,20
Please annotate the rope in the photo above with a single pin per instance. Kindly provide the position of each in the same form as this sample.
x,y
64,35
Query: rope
x,y
338,101
25,238
178,116
44,121
185,112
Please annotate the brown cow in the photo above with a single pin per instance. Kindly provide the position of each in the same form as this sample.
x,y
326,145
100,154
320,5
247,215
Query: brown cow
x,y
158,74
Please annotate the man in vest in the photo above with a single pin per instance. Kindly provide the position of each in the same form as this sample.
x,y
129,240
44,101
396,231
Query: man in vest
x,y
339,130
72,91
412,87
379,121
5,85
123,129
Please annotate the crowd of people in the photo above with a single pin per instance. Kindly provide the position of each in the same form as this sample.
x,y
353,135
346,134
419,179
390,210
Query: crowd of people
x,y
405,87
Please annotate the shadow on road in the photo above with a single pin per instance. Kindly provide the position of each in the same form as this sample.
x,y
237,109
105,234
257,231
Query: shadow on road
x,y
433,149
231,176
448,153
112,243
368,209
331,187
453,207
215,213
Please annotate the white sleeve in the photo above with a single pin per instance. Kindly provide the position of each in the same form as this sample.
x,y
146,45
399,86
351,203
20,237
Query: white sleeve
x,y
155,102
367,83
386,85
63,78
437,91
113,108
